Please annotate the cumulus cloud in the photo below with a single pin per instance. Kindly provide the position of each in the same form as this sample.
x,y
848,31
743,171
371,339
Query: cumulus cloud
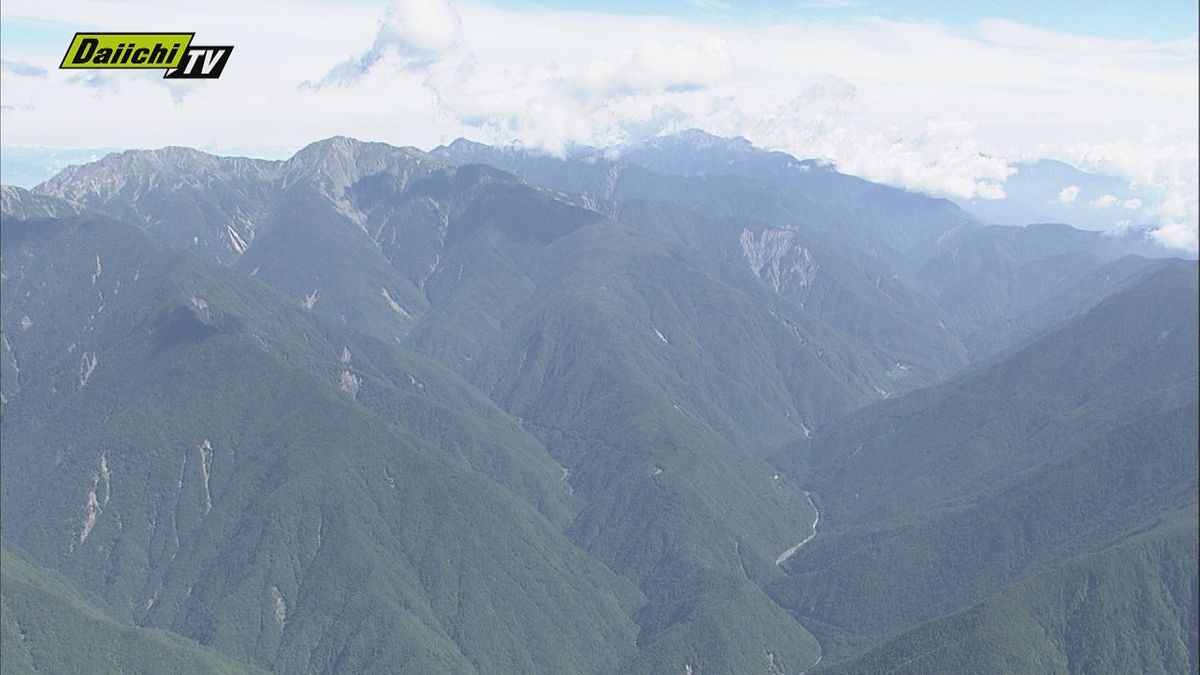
x,y
1068,195
1177,215
413,33
547,109
541,105
1163,165
826,121
607,101
1107,201
654,67
1177,234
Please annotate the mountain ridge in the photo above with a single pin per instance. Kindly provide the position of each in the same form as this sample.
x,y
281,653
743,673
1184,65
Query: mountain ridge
x,y
563,414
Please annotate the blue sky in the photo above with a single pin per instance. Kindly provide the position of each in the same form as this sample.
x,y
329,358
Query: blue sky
x,y
942,97
1159,20
1152,19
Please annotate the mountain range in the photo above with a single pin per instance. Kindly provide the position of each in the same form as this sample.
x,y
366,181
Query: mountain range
x,y
689,407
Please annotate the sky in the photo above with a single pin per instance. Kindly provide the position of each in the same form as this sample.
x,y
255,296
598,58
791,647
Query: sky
x,y
942,97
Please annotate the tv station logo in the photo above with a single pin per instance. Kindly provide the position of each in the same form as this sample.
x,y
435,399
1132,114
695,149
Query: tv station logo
x,y
173,52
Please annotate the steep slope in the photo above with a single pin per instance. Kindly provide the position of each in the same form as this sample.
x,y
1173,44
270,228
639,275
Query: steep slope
x,y
1061,449
637,342
211,205
904,272
911,275
565,319
999,285
820,257
326,247
1076,618
895,220
785,251
413,393
46,626
980,278
23,204
874,216
658,408
218,206
207,479
1131,354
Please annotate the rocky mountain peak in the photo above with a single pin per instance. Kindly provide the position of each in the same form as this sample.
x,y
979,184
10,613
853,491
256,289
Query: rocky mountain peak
x,y
145,169
340,161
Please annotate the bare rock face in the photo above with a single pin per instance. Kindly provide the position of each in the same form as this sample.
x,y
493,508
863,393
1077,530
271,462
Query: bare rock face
x,y
224,197
22,204
86,366
97,498
777,257
349,383
278,606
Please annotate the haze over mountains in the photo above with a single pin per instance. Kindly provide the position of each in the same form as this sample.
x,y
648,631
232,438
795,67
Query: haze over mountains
x,y
1041,191
696,408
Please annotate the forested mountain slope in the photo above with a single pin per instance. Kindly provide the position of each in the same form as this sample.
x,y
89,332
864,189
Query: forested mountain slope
x,y
688,406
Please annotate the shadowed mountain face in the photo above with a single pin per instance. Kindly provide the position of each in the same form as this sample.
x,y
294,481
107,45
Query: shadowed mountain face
x,y
483,410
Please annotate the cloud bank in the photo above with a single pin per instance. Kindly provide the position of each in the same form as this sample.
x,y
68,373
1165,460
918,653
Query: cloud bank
x,y
918,105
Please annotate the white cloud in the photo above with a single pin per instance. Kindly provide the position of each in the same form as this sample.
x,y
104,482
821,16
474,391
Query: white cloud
x,y
1107,201
1177,215
827,121
22,68
1177,234
413,34
919,105
654,68
421,29
1068,194
602,102
1162,164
